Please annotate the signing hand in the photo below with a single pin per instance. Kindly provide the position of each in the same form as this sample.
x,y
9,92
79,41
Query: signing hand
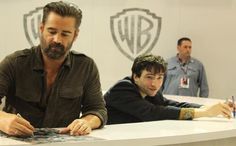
x,y
214,110
14,125
231,104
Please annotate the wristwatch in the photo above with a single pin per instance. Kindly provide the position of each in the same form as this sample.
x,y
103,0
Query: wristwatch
x,y
187,113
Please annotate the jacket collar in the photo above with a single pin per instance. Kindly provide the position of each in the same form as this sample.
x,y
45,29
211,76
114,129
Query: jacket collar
x,y
189,61
38,61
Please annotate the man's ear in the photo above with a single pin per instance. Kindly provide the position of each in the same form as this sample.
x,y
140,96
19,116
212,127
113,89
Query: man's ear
x,y
178,47
41,28
76,34
135,77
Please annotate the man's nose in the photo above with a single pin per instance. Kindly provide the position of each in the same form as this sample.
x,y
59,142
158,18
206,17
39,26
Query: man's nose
x,y
57,38
156,83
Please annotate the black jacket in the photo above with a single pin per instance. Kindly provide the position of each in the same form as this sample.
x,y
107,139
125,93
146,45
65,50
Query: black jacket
x,y
126,105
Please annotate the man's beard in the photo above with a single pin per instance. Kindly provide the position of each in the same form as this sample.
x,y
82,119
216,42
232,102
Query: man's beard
x,y
54,50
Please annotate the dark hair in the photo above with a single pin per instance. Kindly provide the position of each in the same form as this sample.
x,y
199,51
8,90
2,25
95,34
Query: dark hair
x,y
63,9
179,42
148,62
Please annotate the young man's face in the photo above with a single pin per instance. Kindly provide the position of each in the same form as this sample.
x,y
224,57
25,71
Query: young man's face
x,y
185,49
57,35
149,83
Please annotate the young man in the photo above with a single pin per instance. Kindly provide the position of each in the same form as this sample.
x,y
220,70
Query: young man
x,y
49,85
138,99
185,74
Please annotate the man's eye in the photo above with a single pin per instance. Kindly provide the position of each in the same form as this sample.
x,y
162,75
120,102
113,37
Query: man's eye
x,y
150,77
160,78
65,34
52,32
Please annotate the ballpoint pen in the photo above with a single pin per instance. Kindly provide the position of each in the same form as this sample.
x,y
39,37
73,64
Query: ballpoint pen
x,y
233,100
19,115
22,117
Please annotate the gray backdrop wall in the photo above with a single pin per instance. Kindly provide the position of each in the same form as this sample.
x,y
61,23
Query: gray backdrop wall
x,y
157,24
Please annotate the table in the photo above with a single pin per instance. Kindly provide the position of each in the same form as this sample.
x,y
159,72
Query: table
x,y
216,131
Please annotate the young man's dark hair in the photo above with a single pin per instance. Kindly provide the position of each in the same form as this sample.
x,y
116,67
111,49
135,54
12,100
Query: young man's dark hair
x,y
149,62
179,42
63,9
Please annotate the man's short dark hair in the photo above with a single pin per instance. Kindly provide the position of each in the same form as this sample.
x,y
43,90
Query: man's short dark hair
x,y
179,42
63,9
150,63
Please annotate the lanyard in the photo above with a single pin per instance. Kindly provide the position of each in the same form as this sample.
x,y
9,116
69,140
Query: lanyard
x,y
184,68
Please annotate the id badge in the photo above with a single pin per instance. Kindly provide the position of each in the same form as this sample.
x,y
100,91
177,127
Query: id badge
x,y
184,82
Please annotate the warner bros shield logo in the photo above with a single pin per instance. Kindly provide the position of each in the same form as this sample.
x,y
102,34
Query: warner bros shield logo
x,y
31,22
135,31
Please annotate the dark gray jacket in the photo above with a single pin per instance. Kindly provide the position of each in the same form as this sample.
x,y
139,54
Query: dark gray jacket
x,y
76,89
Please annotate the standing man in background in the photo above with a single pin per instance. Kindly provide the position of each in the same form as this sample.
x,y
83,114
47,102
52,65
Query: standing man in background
x,y
49,85
185,74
